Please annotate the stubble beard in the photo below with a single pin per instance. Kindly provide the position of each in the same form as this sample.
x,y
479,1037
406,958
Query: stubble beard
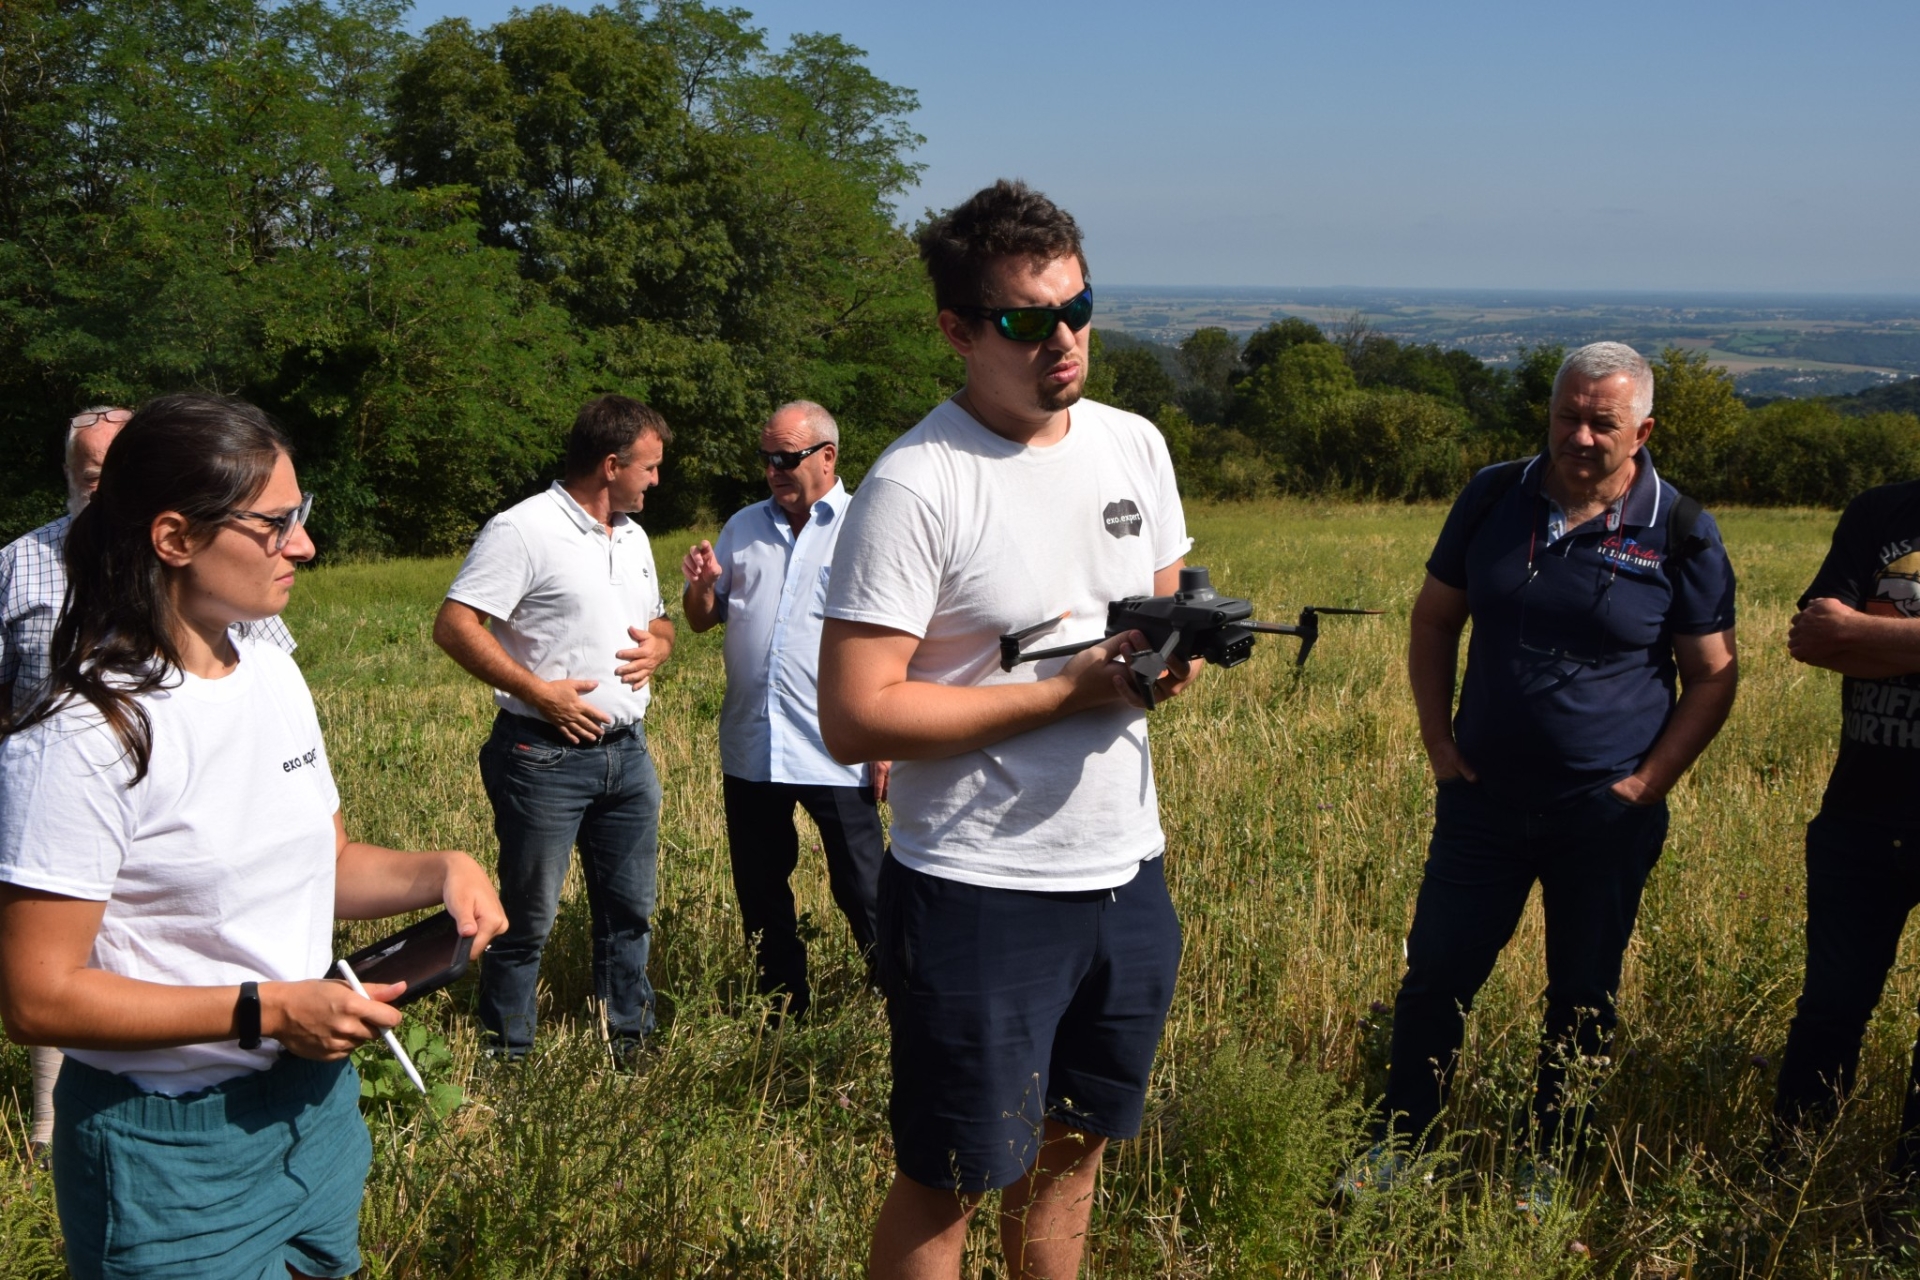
x,y
1054,399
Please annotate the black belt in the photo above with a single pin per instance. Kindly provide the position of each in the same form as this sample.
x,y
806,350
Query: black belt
x,y
537,728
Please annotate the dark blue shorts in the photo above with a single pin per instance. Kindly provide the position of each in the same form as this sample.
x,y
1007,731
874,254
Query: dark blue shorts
x,y
1009,1007
239,1181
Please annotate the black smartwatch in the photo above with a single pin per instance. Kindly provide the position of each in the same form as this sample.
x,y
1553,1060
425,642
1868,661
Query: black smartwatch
x,y
246,1015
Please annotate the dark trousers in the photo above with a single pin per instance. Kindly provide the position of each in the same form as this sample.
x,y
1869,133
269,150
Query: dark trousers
x,y
765,847
1862,881
1592,858
549,795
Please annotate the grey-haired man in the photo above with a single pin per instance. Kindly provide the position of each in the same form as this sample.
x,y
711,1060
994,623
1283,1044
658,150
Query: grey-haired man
x,y
1591,583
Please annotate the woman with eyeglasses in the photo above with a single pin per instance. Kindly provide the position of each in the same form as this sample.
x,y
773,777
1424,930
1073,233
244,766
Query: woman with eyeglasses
x,y
172,860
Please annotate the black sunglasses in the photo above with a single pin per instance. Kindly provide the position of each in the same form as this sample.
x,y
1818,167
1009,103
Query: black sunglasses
x,y
1036,324
788,459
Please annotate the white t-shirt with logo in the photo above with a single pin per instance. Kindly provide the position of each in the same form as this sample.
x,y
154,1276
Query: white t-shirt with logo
x,y
562,593
217,868
958,535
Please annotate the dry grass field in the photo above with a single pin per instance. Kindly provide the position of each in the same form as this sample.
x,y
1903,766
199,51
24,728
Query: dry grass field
x,y
1296,805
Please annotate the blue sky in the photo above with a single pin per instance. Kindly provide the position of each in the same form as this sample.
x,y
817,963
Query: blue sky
x,y
1682,146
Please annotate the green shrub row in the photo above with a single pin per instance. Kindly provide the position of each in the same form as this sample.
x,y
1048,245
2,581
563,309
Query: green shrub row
x,y
1294,411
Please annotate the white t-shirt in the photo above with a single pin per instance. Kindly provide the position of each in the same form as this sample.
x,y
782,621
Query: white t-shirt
x,y
216,868
562,595
957,536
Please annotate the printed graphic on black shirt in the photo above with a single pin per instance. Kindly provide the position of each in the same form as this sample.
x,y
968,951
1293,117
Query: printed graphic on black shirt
x,y
1122,519
1874,566
1896,592
1886,713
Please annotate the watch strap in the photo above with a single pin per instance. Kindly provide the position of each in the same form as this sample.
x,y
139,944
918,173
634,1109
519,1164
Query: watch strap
x,y
246,1015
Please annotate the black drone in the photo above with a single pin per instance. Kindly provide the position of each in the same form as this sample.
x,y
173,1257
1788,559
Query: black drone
x,y
1194,621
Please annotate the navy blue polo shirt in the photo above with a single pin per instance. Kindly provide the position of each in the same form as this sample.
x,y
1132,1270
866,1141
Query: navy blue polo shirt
x,y
1570,671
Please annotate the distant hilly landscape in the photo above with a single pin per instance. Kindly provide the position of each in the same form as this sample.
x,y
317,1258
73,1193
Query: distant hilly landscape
x,y
1794,346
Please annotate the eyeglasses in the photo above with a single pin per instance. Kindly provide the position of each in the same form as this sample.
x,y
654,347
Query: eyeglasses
x,y
788,459
81,421
282,525
1036,324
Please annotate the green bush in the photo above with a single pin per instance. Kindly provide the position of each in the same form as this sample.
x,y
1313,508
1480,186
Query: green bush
x,y
1386,444
1805,453
1254,1132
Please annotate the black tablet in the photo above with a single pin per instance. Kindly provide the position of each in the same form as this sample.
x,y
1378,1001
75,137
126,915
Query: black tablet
x,y
426,956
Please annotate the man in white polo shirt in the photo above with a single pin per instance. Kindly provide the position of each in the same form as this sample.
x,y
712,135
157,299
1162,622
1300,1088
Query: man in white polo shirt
x,y
566,580
767,583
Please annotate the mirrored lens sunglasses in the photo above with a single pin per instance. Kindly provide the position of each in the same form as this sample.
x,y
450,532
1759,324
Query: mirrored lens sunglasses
x,y
1036,324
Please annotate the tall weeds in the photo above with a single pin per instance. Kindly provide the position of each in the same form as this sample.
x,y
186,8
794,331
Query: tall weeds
x,y
1297,805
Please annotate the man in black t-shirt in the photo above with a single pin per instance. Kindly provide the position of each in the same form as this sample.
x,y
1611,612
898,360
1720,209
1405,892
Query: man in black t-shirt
x,y
1861,617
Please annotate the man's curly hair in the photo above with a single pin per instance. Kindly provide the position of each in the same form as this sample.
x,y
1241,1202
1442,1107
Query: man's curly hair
x,y
1005,220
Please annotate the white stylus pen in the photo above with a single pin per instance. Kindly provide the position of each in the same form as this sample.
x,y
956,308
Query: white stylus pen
x,y
393,1041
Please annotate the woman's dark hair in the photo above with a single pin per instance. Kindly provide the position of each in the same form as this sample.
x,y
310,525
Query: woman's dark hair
x,y
202,456
1005,220
610,424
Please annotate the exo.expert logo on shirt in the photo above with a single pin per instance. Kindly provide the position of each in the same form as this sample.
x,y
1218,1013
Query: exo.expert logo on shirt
x,y
300,761
1122,519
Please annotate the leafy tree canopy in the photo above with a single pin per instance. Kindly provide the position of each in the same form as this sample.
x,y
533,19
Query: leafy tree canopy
x,y
421,254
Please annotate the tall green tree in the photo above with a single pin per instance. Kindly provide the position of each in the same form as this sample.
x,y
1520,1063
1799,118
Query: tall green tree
x,y
1289,391
1140,384
1697,415
1266,343
714,214
1208,358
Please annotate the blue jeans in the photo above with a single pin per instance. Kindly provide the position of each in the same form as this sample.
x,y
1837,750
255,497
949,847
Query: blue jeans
x,y
1592,857
547,795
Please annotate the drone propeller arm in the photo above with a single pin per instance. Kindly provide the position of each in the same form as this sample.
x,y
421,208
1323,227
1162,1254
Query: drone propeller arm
x,y
1059,651
1010,655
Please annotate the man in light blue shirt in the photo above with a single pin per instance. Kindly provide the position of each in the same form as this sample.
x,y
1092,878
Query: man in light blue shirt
x,y
767,581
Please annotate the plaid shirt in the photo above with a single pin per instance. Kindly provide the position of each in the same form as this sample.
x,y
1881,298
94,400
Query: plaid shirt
x,y
33,585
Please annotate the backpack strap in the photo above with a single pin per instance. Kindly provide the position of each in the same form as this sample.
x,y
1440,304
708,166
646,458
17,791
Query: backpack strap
x,y
1683,517
1505,477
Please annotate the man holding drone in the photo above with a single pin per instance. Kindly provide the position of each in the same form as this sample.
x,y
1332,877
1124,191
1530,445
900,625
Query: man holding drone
x,y
1027,941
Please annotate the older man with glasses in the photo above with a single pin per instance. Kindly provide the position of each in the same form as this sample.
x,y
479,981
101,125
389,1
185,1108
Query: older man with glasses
x,y
766,582
33,584
1591,583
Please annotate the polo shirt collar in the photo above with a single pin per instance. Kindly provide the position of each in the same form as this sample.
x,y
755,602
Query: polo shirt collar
x,y
578,514
1640,507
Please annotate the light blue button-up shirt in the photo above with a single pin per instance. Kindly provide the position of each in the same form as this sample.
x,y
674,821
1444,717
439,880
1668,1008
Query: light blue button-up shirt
x,y
772,595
